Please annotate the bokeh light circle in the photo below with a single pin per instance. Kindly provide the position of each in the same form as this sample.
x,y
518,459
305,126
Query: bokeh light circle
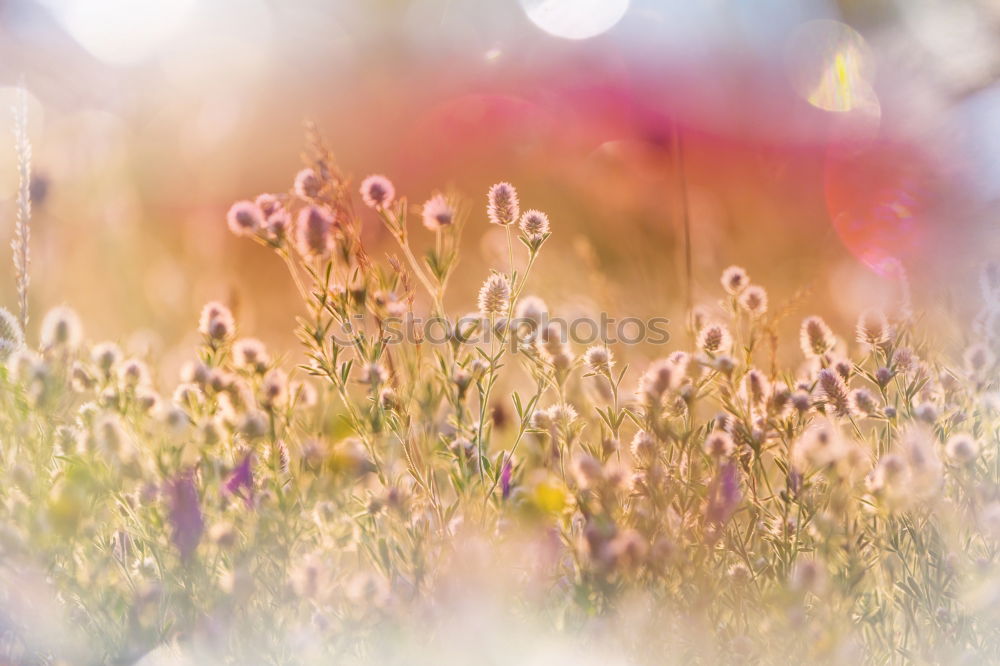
x,y
121,32
878,200
830,65
575,19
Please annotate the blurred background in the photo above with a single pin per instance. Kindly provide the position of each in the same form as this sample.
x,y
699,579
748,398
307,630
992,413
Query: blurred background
x,y
818,143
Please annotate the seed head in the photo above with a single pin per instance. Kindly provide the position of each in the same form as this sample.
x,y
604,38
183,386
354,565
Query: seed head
x,y
11,337
61,327
133,373
753,300
807,576
863,403
437,213
494,295
250,354
268,204
216,322
872,328
314,232
599,359
373,374
815,338
962,448
587,470
660,377
274,388
821,444
534,224
388,399
979,359
562,415
756,388
719,444
832,385
308,184
277,226
714,339
245,218
540,420
735,279
643,446
502,206
377,191
105,356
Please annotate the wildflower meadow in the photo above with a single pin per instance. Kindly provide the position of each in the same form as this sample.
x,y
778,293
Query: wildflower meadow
x,y
342,509
547,366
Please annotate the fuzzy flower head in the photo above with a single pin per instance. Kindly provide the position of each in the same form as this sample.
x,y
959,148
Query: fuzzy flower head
x,y
308,184
979,359
250,354
714,339
755,388
314,232
834,390
216,322
734,280
661,376
244,218
643,446
821,445
815,337
268,204
962,448
502,205
719,444
11,337
61,327
872,328
105,355
599,359
373,374
863,403
753,300
534,224
552,346
437,213
377,191
530,316
494,295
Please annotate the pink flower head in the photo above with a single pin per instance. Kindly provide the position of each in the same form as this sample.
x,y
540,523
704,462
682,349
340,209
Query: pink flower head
x,y
184,513
503,208
437,213
377,191
244,218
268,204
314,232
308,184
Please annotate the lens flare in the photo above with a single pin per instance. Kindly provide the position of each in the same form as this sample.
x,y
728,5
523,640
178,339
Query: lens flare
x,y
830,66
575,19
878,201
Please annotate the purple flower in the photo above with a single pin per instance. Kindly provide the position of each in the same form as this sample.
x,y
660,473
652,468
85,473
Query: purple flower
x,y
242,477
505,478
185,514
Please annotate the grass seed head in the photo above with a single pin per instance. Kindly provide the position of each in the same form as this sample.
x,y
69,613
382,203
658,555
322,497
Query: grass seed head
x,y
502,205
